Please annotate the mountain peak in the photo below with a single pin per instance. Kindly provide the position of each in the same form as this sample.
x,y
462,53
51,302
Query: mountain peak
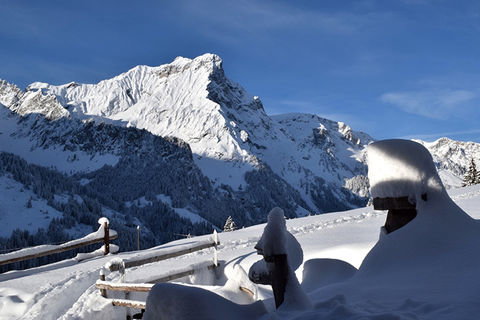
x,y
9,93
209,58
211,62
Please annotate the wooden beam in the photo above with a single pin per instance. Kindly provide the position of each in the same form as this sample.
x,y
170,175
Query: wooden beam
x,y
247,291
129,303
179,275
173,276
128,287
55,250
135,262
144,287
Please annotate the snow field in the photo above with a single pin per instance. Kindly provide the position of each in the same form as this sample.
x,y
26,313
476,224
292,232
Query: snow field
x,y
22,209
345,235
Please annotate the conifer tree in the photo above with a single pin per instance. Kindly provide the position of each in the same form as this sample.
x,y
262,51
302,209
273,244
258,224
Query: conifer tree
x,y
472,176
229,225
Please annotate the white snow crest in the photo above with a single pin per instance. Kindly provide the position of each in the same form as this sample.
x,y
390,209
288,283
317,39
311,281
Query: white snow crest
x,y
273,240
102,221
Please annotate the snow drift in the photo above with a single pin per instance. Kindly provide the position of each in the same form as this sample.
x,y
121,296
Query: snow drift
x,y
429,267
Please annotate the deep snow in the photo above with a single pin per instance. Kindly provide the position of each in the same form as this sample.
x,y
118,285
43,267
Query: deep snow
x,y
66,289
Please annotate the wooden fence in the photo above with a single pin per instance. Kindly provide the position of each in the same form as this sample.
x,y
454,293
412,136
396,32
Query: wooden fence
x,y
117,265
104,234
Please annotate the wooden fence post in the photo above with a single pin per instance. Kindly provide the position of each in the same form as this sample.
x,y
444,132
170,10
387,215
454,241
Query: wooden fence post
x,y
106,234
138,237
103,292
215,250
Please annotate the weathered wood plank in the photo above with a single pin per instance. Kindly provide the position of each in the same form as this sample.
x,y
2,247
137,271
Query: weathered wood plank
x,y
55,250
139,261
129,303
128,287
179,275
247,291
173,276
144,287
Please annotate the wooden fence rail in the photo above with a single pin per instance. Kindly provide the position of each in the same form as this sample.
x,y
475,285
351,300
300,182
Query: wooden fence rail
x,y
46,250
121,265
145,287
150,258
127,287
129,303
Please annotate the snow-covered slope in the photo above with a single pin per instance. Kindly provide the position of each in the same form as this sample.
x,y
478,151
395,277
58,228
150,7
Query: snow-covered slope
x,y
22,209
66,290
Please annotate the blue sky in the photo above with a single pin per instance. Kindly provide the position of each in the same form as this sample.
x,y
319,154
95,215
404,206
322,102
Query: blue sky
x,y
404,68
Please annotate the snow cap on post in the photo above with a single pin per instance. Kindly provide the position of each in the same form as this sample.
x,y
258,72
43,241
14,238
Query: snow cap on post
x,y
402,168
103,221
273,240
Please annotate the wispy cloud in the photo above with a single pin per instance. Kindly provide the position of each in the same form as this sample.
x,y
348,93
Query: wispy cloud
x,y
432,103
220,18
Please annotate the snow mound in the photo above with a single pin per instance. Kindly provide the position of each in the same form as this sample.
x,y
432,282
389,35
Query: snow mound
x,y
173,301
401,168
318,273
429,267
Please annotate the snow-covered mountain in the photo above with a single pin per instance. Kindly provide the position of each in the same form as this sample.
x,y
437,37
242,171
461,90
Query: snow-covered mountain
x,y
452,158
184,139
227,129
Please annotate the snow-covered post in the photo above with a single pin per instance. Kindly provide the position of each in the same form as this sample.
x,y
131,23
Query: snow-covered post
x,y
215,250
121,270
272,246
279,271
138,237
282,254
103,292
106,234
